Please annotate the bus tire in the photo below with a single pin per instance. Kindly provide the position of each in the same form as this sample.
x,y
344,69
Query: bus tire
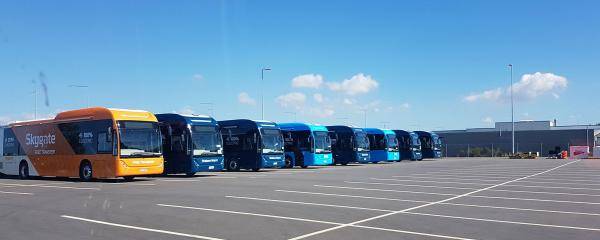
x,y
233,166
344,163
23,170
304,166
288,162
190,174
255,169
85,171
129,178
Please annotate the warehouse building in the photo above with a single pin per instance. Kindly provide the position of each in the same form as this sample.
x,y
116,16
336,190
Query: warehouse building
x,y
545,137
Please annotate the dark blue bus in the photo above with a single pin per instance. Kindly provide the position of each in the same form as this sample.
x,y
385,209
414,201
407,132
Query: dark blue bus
x,y
191,143
383,145
249,144
349,144
431,144
410,145
306,145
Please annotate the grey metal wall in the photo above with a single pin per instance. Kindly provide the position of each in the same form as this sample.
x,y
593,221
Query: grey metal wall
x,y
459,144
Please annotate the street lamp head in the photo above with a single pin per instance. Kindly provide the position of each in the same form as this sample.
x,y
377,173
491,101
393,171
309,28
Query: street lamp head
x,y
510,65
266,69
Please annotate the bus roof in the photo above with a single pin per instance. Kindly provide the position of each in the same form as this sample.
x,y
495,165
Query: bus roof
x,y
342,128
374,131
255,123
188,119
95,113
426,134
388,132
302,127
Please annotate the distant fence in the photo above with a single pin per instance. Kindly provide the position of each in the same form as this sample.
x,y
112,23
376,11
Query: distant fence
x,y
499,149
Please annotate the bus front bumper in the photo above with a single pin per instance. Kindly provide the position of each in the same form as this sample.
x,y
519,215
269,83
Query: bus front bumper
x,y
273,161
140,166
207,164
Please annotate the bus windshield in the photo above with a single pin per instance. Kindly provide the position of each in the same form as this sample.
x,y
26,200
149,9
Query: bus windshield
x,y
362,142
392,143
139,139
206,140
437,143
415,140
322,142
272,142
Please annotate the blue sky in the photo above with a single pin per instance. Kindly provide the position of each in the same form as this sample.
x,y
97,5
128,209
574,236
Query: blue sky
x,y
412,65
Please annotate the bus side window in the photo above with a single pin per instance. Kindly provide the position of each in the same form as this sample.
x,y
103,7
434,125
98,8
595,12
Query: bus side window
x,y
11,145
104,143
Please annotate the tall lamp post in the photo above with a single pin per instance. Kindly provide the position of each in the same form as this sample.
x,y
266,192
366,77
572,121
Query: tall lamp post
x,y
512,108
262,91
210,108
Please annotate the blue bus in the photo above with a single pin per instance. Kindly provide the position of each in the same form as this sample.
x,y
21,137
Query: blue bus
x,y
306,145
410,145
249,144
383,145
431,144
349,144
191,143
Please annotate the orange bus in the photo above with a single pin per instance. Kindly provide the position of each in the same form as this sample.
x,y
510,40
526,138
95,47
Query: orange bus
x,y
87,143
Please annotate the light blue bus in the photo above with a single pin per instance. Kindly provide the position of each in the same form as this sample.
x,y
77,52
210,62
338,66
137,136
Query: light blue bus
x,y
383,145
306,145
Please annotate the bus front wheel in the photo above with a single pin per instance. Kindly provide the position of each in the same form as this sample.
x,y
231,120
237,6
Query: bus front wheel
x,y
255,169
129,178
85,171
288,162
23,170
233,165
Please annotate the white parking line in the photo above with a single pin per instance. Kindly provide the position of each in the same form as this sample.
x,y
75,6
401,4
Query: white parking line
x,y
427,181
563,180
534,199
194,180
572,188
247,213
310,203
454,176
451,178
314,221
562,183
428,204
406,185
48,186
502,221
445,203
383,190
16,193
140,228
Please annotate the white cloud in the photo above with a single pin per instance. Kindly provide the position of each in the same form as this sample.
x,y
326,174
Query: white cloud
x,y
318,97
244,98
5,120
307,81
321,112
405,105
487,120
348,101
293,99
187,110
198,77
357,84
529,87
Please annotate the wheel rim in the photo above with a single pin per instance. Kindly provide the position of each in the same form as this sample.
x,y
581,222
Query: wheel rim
x,y
233,165
288,163
23,170
87,171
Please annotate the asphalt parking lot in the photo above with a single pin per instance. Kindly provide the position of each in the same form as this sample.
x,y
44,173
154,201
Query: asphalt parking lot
x,y
435,199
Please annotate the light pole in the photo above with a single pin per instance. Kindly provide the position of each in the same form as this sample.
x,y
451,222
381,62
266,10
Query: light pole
x,y
262,91
210,107
512,108
87,97
365,115
345,120
384,124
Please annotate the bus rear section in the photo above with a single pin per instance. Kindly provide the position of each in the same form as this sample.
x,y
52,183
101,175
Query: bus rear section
x,y
431,145
191,143
249,144
87,143
306,145
383,146
409,145
391,144
349,144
